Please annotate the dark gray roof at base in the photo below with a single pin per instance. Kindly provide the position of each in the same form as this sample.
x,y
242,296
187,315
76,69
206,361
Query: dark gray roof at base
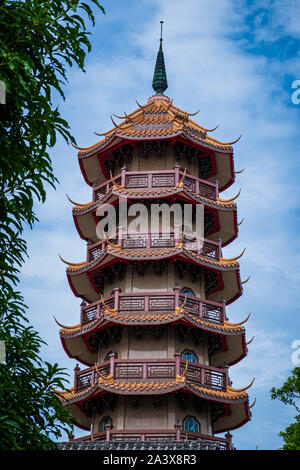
x,y
139,445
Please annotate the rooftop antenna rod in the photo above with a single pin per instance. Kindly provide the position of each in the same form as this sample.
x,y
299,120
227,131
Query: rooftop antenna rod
x,y
160,83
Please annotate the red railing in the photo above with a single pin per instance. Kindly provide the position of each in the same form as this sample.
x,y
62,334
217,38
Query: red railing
x,y
158,179
146,241
145,302
158,369
176,434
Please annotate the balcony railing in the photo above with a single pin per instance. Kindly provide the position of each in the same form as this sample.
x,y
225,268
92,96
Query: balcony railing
x,y
150,241
158,369
145,435
158,179
155,302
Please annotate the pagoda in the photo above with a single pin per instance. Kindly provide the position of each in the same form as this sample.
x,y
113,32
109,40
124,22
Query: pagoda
x,y
154,340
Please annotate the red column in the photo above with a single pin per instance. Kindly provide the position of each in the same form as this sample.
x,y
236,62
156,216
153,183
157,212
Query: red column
x,y
220,248
176,294
146,303
226,367
217,188
200,308
112,357
123,175
94,193
144,368
176,170
202,376
120,235
177,357
176,234
108,431
228,437
76,372
223,310
177,430
148,240
116,300
83,304
199,245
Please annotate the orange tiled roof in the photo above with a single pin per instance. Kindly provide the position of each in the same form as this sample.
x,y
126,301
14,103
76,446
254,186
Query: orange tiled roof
x,y
111,249
148,317
158,118
78,208
109,384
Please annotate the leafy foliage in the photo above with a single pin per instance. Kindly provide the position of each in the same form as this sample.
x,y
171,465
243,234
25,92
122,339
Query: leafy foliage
x,y
39,41
289,394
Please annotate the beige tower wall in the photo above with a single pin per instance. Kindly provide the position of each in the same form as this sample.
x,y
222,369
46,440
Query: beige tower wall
x,y
165,162
151,347
146,416
150,282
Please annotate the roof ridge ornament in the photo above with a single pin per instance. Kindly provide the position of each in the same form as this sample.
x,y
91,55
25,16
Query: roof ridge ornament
x,y
66,327
84,204
240,323
234,141
71,264
234,259
244,282
241,389
231,199
160,83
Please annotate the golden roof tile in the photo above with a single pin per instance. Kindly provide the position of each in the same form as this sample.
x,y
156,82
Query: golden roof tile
x,y
145,385
223,262
226,327
147,192
150,120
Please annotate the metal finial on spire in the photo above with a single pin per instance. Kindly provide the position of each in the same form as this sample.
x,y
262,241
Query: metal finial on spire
x,y
160,83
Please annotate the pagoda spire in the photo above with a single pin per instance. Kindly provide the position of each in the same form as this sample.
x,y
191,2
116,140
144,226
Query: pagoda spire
x,y
160,83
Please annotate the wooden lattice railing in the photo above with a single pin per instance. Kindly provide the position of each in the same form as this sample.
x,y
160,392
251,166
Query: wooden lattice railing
x,y
176,434
143,302
149,370
158,179
151,241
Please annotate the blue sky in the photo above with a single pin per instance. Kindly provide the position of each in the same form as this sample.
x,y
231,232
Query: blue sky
x,y
236,61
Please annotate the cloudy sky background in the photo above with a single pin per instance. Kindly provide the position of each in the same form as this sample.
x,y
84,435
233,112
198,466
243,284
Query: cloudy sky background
x,y
236,61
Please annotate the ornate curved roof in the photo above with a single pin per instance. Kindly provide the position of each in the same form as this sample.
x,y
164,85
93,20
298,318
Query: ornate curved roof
x,y
116,251
150,318
157,193
158,119
237,400
81,282
85,222
108,384
74,338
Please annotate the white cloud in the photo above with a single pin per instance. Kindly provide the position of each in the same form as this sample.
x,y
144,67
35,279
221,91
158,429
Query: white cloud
x,y
268,360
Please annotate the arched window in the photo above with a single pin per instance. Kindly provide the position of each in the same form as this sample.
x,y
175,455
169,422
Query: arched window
x,y
187,291
104,421
188,355
191,424
190,304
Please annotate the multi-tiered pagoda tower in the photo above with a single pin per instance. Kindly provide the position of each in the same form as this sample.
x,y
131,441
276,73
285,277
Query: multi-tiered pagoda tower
x,y
153,334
